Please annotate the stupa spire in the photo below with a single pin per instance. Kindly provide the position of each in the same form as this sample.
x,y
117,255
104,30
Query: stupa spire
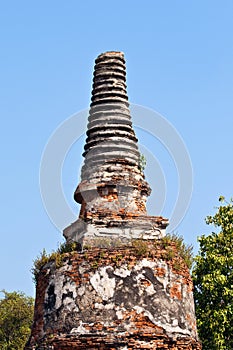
x,y
110,136
113,190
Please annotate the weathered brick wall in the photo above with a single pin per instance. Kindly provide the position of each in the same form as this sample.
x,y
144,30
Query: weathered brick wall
x,y
137,297
157,341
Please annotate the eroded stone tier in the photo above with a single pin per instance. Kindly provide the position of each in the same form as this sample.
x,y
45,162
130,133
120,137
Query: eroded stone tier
x,y
113,190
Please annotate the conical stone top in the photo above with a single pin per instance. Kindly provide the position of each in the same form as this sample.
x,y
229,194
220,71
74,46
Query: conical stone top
x,y
109,79
113,190
111,138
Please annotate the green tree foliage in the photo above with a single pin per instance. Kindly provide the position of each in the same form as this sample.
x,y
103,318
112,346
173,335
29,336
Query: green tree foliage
x,y
16,314
213,281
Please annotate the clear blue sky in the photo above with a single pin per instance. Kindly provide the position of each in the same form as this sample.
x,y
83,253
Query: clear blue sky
x,y
179,62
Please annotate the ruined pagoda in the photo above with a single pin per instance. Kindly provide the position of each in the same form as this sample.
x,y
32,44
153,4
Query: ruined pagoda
x,y
118,283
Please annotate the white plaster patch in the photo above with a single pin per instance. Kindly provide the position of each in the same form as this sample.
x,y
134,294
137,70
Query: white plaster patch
x,y
79,330
81,269
102,284
59,280
119,315
81,290
63,286
122,272
175,322
105,307
69,303
169,329
137,177
144,263
138,279
163,279
138,309
150,289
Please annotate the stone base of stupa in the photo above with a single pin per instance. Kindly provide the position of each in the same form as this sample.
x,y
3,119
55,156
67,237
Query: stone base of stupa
x,y
136,296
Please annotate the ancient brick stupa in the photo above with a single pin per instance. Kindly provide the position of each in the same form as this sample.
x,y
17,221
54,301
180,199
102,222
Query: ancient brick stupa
x,y
124,286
